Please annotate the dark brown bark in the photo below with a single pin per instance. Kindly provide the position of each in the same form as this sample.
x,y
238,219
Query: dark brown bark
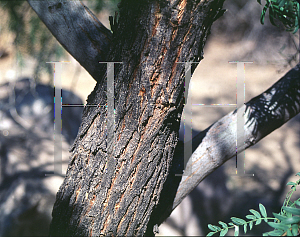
x,y
103,195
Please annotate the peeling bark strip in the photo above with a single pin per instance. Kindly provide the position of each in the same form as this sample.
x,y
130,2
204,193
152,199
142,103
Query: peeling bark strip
x,y
116,196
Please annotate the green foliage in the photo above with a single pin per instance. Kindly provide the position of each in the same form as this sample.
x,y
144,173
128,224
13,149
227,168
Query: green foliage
x,y
286,11
287,222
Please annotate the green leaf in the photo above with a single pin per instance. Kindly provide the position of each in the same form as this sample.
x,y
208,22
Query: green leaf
x,y
259,1
271,16
263,13
213,227
250,225
210,233
291,220
258,222
231,224
279,217
275,233
278,232
288,214
236,230
296,29
292,210
286,11
256,213
295,229
298,174
278,226
290,183
262,210
251,217
224,225
289,233
297,203
282,3
245,228
238,221
223,232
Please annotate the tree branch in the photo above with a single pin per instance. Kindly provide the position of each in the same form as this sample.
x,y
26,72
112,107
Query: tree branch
x,y
217,144
78,30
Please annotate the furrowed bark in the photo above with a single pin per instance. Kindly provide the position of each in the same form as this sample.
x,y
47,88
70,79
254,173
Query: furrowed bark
x,y
115,194
78,30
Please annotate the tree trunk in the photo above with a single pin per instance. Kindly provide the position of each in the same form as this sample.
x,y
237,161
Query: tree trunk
x,y
114,182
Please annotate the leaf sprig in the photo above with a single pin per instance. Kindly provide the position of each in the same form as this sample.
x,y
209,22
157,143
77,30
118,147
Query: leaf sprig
x,y
287,222
286,11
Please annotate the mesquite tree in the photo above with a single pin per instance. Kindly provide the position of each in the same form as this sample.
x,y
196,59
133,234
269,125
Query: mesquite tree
x,y
121,179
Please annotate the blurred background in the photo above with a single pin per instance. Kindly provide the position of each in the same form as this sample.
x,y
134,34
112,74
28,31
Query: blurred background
x,y
27,112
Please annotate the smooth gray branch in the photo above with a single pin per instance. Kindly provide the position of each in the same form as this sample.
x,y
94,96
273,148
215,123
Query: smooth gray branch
x,y
263,114
78,30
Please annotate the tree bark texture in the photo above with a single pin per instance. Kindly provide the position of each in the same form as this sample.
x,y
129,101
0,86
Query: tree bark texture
x,y
112,185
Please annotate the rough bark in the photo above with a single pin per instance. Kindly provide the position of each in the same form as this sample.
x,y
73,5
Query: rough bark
x,y
115,195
